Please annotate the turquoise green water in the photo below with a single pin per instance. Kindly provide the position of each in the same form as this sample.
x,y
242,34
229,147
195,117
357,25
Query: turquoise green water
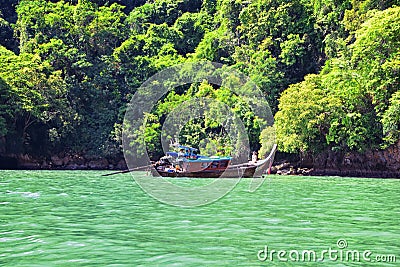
x,y
76,218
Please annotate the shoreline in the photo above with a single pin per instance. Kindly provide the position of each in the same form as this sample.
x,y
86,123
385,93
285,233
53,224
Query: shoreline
x,y
284,169
336,166
287,168
312,173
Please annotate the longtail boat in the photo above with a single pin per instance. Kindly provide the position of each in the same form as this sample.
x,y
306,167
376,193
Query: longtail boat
x,y
187,163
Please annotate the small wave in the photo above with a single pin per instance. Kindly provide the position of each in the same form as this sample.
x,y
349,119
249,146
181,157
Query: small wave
x,y
25,194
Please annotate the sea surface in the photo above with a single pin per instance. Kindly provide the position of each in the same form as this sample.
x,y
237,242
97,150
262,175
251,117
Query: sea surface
x,y
80,218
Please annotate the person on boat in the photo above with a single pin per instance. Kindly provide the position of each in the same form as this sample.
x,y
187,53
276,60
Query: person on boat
x,y
181,153
178,168
254,157
193,155
181,156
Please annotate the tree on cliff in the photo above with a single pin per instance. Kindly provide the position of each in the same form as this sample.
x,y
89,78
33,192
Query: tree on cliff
x,y
352,103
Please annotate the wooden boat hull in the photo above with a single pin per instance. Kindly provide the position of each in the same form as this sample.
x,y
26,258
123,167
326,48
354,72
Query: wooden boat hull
x,y
199,174
240,172
235,172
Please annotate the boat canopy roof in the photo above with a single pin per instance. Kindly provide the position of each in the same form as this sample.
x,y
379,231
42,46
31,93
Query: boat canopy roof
x,y
207,159
187,148
172,154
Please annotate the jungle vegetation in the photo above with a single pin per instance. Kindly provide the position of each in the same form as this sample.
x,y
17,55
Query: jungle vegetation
x,y
329,69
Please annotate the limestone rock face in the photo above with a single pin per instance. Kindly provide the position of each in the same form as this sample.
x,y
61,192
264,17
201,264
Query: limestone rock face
x,y
60,162
56,161
373,163
98,164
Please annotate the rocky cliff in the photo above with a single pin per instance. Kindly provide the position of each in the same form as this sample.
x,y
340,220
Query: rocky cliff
x,y
373,163
61,162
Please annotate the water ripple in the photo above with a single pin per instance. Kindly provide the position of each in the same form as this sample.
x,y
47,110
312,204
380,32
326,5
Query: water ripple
x,y
81,218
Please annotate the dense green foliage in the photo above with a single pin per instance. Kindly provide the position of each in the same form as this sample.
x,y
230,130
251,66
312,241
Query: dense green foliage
x,y
353,104
69,68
